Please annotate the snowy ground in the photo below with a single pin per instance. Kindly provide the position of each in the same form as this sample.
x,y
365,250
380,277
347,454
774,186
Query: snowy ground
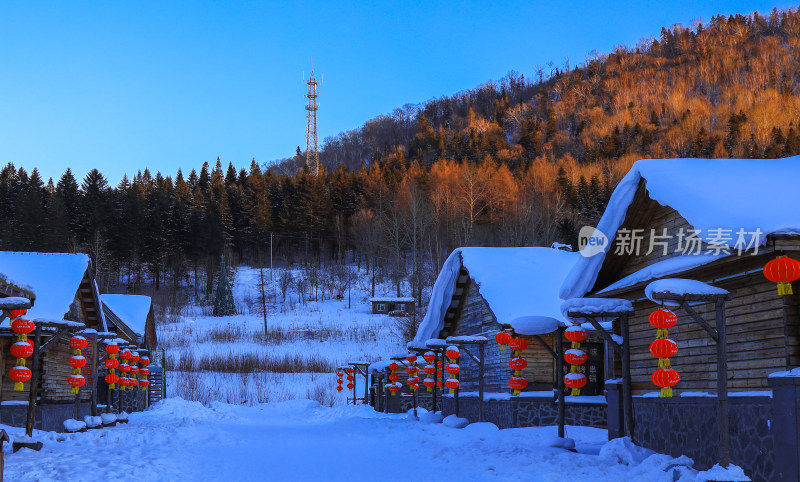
x,y
300,440
232,359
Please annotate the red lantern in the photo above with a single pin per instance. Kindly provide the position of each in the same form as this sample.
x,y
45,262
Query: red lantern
x,y
21,325
145,372
126,354
112,348
339,381
452,384
350,386
575,357
76,381
17,313
339,388
412,381
78,342
124,368
662,319
350,378
575,334
518,364
21,349
518,344
518,384
452,353
393,366
112,378
439,383
144,361
452,368
410,370
350,370
393,377
144,383
134,369
429,356
393,388
77,361
429,384
19,374
429,369
340,374
663,348
575,381
411,358
133,382
111,363
503,339
783,270
665,378
135,357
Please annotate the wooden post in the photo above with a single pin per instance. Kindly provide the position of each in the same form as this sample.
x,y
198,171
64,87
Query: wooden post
x,y
34,385
414,398
95,356
482,354
627,396
455,397
435,381
722,385
560,380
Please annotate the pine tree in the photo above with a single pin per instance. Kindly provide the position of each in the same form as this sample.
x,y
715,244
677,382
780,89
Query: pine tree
x,y
223,297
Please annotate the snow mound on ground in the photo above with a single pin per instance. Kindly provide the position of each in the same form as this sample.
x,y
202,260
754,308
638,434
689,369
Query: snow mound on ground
x,y
481,428
72,425
732,473
624,451
92,421
431,417
108,417
455,422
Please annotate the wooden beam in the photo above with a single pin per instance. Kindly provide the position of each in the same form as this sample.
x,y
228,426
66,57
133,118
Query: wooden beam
x,y
482,353
546,346
627,393
600,330
722,386
34,385
700,321
560,380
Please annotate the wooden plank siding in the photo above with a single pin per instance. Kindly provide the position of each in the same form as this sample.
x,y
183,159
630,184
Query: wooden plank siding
x,y
763,334
475,317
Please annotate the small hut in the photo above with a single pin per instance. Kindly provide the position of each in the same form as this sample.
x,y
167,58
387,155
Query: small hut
x,y
393,305
719,222
61,287
131,316
481,291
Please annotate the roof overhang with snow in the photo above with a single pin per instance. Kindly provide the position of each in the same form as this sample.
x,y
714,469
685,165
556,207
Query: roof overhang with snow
x,y
516,283
128,312
747,195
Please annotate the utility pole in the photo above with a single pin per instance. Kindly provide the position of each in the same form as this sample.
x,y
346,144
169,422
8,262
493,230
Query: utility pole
x,y
312,154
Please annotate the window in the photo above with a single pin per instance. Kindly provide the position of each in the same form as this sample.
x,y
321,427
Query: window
x,y
401,307
381,307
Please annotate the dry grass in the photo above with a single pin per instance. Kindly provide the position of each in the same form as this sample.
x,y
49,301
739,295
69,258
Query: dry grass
x,y
187,361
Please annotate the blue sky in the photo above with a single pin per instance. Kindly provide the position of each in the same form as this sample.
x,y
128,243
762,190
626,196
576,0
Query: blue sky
x,y
121,86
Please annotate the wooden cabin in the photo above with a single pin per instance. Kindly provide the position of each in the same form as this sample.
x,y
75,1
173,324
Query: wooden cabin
x,y
696,214
64,290
763,327
481,291
393,305
131,316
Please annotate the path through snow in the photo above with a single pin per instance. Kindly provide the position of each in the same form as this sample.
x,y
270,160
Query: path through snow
x,y
300,440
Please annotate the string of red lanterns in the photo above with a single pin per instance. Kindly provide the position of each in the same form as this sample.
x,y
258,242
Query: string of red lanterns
x,y
575,357
783,270
77,361
452,353
663,348
134,380
394,385
430,370
144,372
339,380
125,369
411,370
517,382
351,379
22,349
112,363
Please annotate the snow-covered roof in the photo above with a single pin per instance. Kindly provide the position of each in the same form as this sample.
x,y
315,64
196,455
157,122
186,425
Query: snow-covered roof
x,y
53,277
397,299
679,288
666,267
515,282
130,309
729,194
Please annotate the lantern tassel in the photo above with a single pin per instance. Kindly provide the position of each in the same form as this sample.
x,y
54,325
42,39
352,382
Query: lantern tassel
x,y
18,386
502,347
666,392
785,289
575,392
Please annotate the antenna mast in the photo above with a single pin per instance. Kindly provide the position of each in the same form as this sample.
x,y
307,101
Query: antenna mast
x,y
312,153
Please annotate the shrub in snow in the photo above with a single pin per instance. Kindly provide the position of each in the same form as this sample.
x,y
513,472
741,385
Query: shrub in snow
x,y
92,422
223,296
108,418
72,425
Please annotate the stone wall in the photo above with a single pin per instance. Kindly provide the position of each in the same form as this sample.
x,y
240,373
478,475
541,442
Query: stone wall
x,y
527,412
690,426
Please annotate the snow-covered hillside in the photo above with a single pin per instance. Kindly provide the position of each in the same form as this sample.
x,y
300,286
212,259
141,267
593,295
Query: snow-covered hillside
x,y
232,359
